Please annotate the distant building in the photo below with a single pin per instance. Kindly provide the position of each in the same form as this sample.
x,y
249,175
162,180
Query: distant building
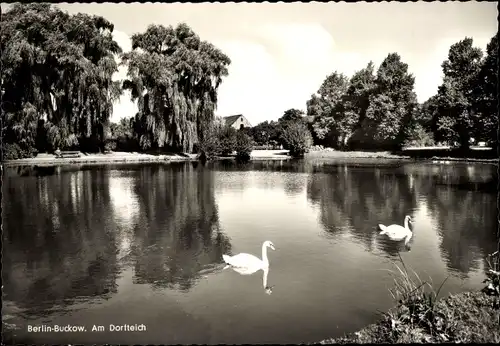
x,y
237,121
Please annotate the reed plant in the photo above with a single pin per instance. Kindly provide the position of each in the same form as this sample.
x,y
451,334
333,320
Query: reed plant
x,y
493,275
420,316
415,317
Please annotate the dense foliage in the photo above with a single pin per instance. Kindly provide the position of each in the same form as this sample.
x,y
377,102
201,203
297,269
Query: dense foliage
x,y
367,109
244,146
58,92
174,77
209,145
265,134
294,133
121,136
222,140
379,109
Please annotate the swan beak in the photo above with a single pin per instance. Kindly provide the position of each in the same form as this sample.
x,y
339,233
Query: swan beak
x,y
272,247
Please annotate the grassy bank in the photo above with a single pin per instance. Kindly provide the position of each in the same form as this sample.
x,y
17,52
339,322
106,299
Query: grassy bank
x,y
338,154
437,154
445,155
420,317
126,157
452,154
112,157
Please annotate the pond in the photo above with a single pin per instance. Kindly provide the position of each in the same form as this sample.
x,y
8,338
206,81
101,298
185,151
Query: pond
x,y
142,244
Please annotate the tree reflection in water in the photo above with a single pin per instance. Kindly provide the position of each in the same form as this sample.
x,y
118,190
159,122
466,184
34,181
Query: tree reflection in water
x,y
58,245
462,202
354,199
178,234
68,242
65,241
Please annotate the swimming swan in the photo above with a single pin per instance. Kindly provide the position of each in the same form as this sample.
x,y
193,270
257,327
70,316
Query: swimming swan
x,y
248,262
397,232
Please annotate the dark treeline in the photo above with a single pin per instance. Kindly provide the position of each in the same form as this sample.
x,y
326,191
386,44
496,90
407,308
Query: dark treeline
x,y
379,109
58,92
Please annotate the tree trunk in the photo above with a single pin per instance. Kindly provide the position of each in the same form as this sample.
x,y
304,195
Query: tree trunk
x,y
464,138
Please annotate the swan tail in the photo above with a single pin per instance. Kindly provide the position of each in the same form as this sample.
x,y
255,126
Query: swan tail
x,y
226,258
383,228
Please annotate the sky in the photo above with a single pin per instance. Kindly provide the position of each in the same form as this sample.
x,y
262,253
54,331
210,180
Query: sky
x,y
281,53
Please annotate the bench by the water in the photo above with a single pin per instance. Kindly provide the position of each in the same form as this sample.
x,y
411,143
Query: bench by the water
x,y
68,154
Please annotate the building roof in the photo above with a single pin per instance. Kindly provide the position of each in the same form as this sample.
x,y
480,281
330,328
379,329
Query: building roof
x,y
230,120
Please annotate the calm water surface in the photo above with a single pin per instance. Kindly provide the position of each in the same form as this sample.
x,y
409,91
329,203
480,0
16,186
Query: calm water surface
x,y
143,244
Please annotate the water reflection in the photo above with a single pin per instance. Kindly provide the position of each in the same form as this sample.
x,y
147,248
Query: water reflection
x,y
467,233
72,241
55,258
150,239
357,199
265,274
177,234
461,198
353,199
284,166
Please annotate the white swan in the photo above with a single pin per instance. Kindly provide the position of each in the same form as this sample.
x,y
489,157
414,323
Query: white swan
x,y
247,263
397,232
251,270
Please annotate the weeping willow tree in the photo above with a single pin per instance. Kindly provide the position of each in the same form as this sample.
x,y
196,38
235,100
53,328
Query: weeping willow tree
x,y
56,71
174,77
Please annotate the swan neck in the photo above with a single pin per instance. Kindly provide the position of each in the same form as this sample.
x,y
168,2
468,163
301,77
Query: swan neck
x,y
406,224
264,277
408,237
264,255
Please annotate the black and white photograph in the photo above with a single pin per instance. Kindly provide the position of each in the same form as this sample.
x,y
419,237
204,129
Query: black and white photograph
x,y
249,173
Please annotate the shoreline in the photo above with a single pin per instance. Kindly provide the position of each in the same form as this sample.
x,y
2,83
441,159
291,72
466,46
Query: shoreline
x,y
481,324
256,155
430,155
467,317
132,157
96,159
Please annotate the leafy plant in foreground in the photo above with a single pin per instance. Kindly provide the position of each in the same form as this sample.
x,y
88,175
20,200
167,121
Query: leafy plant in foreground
x,y
493,275
416,306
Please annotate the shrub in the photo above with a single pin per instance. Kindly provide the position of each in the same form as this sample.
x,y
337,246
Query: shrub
x,y
419,137
227,140
244,146
209,146
297,138
127,144
110,145
14,151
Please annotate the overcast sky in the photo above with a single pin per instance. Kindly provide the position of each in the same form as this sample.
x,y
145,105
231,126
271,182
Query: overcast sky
x,y
281,53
